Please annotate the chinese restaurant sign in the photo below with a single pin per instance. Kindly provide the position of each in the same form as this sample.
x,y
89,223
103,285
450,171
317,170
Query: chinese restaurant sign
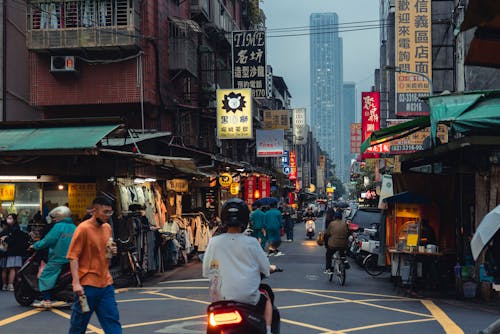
x,y
355,137
370,121
293,166
234,114
413,53
270,143
264,186
276,119
250,186
249,61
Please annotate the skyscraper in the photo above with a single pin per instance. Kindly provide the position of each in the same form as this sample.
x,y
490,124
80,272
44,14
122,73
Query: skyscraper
x,y
326,83
348,117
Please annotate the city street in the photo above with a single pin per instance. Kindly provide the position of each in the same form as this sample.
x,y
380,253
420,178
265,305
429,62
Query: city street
x,y
308,302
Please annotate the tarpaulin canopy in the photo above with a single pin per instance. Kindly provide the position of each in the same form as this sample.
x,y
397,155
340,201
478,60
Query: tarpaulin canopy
x,y
407,198
395,132
471,112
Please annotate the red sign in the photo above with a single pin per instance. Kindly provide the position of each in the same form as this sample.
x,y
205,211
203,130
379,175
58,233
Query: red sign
x,y
293,166
355,137
370,121
250,185
264,186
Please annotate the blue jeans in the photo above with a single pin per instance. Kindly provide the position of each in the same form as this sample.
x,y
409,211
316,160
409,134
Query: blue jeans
x,y
102,302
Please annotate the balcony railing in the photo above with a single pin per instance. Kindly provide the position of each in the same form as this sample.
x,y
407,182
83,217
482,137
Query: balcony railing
x,y
182,45
83,24
200,8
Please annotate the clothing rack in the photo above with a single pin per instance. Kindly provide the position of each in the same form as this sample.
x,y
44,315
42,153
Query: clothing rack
x,y
195,214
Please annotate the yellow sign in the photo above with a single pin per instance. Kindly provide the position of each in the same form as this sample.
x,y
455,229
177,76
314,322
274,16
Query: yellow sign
x,y
330,190
80,196
412,240
234,114
178,185
225,179
276,119
414,54
415,141
234,189
7,192
312,188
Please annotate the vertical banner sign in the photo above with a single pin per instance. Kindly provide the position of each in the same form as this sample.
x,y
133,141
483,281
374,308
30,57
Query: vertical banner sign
x,y
234,114
264,186
299,126
293,166
285,159
414,54
250,186
249,61
270,143
355,138
370,121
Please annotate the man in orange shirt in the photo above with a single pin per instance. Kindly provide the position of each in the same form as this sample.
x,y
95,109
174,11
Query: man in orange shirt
x,y
90,271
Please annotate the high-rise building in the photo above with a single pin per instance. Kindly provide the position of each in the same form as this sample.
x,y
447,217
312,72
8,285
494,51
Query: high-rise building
x,y
348,117
326,84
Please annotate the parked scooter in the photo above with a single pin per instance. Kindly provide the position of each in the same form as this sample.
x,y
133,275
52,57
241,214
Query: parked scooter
x,y
26,283
310,228
231,317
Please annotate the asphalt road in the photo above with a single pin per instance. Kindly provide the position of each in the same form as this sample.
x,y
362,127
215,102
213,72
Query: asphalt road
x,y
308,303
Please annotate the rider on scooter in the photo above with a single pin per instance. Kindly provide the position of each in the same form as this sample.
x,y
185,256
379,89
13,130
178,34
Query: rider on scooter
x,y
57,241
234,262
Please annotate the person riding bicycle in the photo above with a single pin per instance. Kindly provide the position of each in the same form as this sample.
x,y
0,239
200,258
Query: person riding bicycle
x,y
234,262
336,236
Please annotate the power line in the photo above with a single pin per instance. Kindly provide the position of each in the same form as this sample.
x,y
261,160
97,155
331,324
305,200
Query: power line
x,y
330,32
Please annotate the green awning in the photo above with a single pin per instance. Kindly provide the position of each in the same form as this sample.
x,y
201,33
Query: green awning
x,y
396,132
473,112
53,138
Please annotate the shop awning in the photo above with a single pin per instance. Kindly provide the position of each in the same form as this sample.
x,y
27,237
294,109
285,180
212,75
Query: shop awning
x,y
49,139
407,198
473,113
484,47
395,132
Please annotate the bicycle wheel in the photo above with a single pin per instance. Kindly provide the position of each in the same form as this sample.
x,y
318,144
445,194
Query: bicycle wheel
x,y
371,265
136,269
341,273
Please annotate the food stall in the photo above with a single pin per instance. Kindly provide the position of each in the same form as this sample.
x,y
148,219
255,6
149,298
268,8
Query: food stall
x,y
412,234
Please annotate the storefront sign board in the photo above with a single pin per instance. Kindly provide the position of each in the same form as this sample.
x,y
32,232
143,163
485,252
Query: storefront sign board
x,y
276,119
234,114
178,185
270,143
7,192
225,180
80,197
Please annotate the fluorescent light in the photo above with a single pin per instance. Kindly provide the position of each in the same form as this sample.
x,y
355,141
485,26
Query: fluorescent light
x,y
17,178
139,180
149,179
37,205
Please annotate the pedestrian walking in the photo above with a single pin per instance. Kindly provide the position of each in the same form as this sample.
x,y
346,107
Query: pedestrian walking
x,y
258,222
274,222
16,242
89,254
288,222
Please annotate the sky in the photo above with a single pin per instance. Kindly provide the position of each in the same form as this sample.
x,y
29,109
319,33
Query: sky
x,y
289,56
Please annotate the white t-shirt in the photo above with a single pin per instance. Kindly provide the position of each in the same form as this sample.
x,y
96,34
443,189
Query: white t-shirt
x,y
233,263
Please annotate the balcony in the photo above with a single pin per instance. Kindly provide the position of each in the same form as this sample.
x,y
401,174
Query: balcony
x,y
89,24
200,8
182,45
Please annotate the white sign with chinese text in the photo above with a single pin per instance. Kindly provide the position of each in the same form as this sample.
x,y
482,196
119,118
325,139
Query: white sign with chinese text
x,y
270,143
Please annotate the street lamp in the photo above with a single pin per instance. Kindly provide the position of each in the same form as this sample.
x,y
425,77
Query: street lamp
x,y
423,75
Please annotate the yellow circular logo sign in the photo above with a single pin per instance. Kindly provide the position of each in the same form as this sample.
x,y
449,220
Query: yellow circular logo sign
x,y
235,188
312,188
225,179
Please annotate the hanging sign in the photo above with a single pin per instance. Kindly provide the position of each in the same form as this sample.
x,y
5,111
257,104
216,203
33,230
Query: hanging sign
x,y
178,185
270,143
299,126
234,189
276,119
293,166
250,184
80,196
225,180
264,186
7,192
234,114
370,122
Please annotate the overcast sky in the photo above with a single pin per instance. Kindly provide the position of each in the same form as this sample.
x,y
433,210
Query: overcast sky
x,y
289,56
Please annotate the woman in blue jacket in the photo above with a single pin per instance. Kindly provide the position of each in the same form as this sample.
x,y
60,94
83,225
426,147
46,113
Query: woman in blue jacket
x,y
57,241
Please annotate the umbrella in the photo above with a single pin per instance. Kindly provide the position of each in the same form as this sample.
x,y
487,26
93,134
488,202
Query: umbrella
x,y
485,231
267,201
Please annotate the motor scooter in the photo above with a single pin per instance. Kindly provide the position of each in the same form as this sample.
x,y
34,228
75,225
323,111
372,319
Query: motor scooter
x,y
231,317
310,228
26,283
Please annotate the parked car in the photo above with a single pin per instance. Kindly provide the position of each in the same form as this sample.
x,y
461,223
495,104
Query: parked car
x,y
365,218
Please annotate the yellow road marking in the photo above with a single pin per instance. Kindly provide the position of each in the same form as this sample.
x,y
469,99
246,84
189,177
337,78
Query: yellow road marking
x,y
67,316
141,300
179,298
338,302
449,326
366,304
117,291
163,321
347,330
302,324
19,316
344,292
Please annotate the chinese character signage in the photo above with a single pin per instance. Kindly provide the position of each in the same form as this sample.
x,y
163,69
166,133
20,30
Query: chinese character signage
x,y
415,141
250,186
7,192
413,53
355,137
270,143
370,121
178,185
264,186
293,166
249,61
299,126
276,119
234,114
80,196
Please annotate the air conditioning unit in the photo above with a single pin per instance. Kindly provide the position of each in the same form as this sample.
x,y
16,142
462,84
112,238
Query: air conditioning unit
x,y
63,64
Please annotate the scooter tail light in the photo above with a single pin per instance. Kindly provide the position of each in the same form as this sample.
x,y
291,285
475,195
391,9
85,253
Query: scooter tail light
x,y
226,318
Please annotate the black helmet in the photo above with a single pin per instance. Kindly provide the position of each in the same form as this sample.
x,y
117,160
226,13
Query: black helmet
x,y
235,212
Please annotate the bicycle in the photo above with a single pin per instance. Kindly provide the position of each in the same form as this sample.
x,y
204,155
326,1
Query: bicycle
x,y
338,268
135,267
370,263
